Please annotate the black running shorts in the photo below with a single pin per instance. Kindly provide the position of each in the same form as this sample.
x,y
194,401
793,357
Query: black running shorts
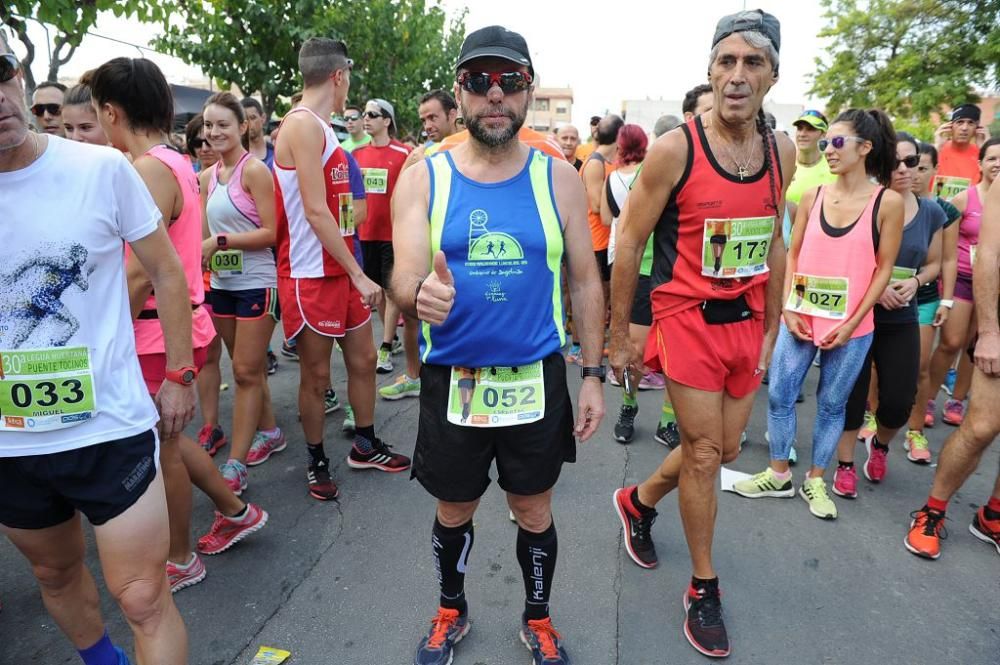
x,y
378,261
642,308
453,462
101,481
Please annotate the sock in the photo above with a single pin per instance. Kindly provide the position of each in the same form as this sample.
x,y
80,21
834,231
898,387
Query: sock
x,y
452,546
238,517
880,446
667,415
709,586
271,433
363,438
536,553
845,465
993,508
386,346
634,497
101,653
629,400
783,477
937,504
317,456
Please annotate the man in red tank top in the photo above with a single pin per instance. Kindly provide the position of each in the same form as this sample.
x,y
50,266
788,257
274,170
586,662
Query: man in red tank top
x,y
716,298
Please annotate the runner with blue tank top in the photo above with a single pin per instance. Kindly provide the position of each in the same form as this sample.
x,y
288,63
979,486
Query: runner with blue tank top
x,y
479,234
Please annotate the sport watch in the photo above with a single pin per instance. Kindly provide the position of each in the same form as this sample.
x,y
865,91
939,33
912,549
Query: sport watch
x,y
222,241
184,376
599,372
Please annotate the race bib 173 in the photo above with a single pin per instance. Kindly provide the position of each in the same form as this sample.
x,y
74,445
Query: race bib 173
x,y
733,248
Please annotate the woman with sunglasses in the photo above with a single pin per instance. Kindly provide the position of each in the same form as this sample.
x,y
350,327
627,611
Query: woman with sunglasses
x,y
198,148
135,107
895,349
79,119
956,330
844,242
237,195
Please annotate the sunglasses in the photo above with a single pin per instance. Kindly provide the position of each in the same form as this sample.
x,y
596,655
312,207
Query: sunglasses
x,y
198,144
354,117
9,67
838,142
910,161
372,115
479,83
38,110
816,114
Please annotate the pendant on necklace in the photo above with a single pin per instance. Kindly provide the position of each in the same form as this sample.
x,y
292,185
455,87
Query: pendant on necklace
x,y
742,172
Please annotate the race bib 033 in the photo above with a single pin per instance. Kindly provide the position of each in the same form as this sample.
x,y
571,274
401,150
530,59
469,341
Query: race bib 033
x,y
46,389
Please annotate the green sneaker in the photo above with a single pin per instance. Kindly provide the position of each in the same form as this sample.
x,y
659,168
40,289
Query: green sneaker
x,y
330,401
868,427
813,490
404,386
764,484
384,364
349,425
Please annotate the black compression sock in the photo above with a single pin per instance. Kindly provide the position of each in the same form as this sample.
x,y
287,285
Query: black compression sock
x,y
451,557
536,553
316,453
845,465
639,504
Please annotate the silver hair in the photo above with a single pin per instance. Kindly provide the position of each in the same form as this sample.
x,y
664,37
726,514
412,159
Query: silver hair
x,y
756,40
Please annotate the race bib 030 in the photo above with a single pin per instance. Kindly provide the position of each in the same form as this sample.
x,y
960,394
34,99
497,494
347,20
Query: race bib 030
x,y
227,262
45,389
497,396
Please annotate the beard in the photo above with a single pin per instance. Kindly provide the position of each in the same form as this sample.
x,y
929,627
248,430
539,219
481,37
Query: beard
x,y
495,138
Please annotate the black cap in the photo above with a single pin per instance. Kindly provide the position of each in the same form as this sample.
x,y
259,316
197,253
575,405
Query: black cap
x,y
755,20
968,111
495,42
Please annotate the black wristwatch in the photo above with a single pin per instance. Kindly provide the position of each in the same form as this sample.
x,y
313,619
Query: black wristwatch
x,y
600,372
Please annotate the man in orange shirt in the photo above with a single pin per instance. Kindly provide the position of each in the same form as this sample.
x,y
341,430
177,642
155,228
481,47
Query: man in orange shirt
x,y
594,172
584,150
958,142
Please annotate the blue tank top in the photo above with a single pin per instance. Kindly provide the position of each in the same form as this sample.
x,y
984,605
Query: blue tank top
x,y
504,245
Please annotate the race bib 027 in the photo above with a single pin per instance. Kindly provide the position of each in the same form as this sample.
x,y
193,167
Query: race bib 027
x,y
46,389
497,396
733,248
825,297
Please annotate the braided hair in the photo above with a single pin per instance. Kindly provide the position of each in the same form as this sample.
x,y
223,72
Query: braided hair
x,y
767,136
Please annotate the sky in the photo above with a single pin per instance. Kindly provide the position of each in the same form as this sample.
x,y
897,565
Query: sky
x,y
625,49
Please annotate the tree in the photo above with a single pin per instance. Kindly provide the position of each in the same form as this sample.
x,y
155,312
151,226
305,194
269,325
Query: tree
x,y
72,19
909,57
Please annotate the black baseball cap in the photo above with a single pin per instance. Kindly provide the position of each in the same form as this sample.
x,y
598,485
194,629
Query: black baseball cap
x,y
755,20
495,41
966,111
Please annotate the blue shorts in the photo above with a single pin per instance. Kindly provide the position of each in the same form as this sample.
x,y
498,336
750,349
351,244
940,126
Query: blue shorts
x,y
927,311
244,305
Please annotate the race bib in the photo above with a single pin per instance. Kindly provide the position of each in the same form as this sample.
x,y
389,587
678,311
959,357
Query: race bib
x,y
227,262
948,187
346,216
825,297
496,397
899,274
45,389
733,248
376,180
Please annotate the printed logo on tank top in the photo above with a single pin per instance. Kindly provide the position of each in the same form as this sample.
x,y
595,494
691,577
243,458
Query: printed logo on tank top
x,y
340,175
493,256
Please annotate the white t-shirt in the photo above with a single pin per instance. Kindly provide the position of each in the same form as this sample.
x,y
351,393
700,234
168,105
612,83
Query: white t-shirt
x,y
63,223
619,185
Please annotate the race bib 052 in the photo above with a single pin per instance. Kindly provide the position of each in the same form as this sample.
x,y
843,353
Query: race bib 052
x,y
497,396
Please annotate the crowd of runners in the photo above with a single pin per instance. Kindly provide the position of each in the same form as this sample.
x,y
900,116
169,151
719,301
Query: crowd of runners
x,y
702,260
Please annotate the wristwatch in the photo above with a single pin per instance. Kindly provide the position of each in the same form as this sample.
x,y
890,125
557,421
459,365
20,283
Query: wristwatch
x,y
222,241
184,376
599,372
947,303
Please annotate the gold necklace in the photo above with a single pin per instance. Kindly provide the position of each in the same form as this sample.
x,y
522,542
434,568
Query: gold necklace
x,y
742,170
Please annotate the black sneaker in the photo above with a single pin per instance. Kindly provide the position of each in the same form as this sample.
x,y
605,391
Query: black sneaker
x,y
272,362
636,526
290,351
703,627
668,435
381,457
625,427
321,485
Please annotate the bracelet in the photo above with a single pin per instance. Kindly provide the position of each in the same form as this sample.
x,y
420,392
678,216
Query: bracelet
x,y
918,281
416,292
948,304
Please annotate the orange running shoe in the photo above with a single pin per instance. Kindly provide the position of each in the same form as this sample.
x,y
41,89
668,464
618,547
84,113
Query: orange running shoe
x,y
986,530
926,533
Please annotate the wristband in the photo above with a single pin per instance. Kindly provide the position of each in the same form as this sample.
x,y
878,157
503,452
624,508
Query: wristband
x,y
948,304
416,292
918,281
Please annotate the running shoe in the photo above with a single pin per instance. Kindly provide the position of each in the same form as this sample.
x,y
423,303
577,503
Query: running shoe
x,y
668,435
448,627
181,576
954,412
264,446
272,362
704,627
397,346
949,381
653,381
813,491
927,530
929,411
986,530
321,485
403,387
636,526
381,457
613,380
764,484
290,351
574,355
234,472
625,427
915,445
330,401
869,428
876,465
384,363
227,531
544,643
348,425
211,438
845,482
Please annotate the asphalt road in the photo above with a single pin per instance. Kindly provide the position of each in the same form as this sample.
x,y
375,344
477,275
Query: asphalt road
x,y
353,583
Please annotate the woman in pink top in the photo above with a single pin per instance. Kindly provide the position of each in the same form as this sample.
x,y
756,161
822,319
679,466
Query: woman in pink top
x,y
135,108
844,243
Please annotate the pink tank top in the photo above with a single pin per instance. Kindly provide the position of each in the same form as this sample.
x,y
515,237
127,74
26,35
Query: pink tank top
x,y
240,197
848,252
186,235
968,230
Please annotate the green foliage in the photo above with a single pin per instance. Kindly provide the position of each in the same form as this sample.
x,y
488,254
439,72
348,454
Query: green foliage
x,y
909,57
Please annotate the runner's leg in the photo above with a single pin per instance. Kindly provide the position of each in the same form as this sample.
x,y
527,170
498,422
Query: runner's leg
x,y
177,483
209,380
359,359
314,377
411,345
250,373
924,391
954,334
206,477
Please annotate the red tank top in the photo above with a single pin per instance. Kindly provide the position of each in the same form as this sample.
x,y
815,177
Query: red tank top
x,y
707,192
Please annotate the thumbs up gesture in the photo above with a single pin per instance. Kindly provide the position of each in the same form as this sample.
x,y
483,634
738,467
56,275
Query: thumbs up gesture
x,y
437,294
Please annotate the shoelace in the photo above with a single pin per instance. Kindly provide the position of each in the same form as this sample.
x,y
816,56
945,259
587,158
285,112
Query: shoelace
x,y
643,527
708,607
440,626
217,525
627,415
546,636
933,523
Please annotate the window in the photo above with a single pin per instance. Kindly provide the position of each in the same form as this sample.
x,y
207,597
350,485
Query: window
x,y
541,104
562,109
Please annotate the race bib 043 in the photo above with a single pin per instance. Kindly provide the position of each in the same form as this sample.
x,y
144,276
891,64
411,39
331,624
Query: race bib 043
x,y
45,389
376,180
496,397
825,297
227,262
733,248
